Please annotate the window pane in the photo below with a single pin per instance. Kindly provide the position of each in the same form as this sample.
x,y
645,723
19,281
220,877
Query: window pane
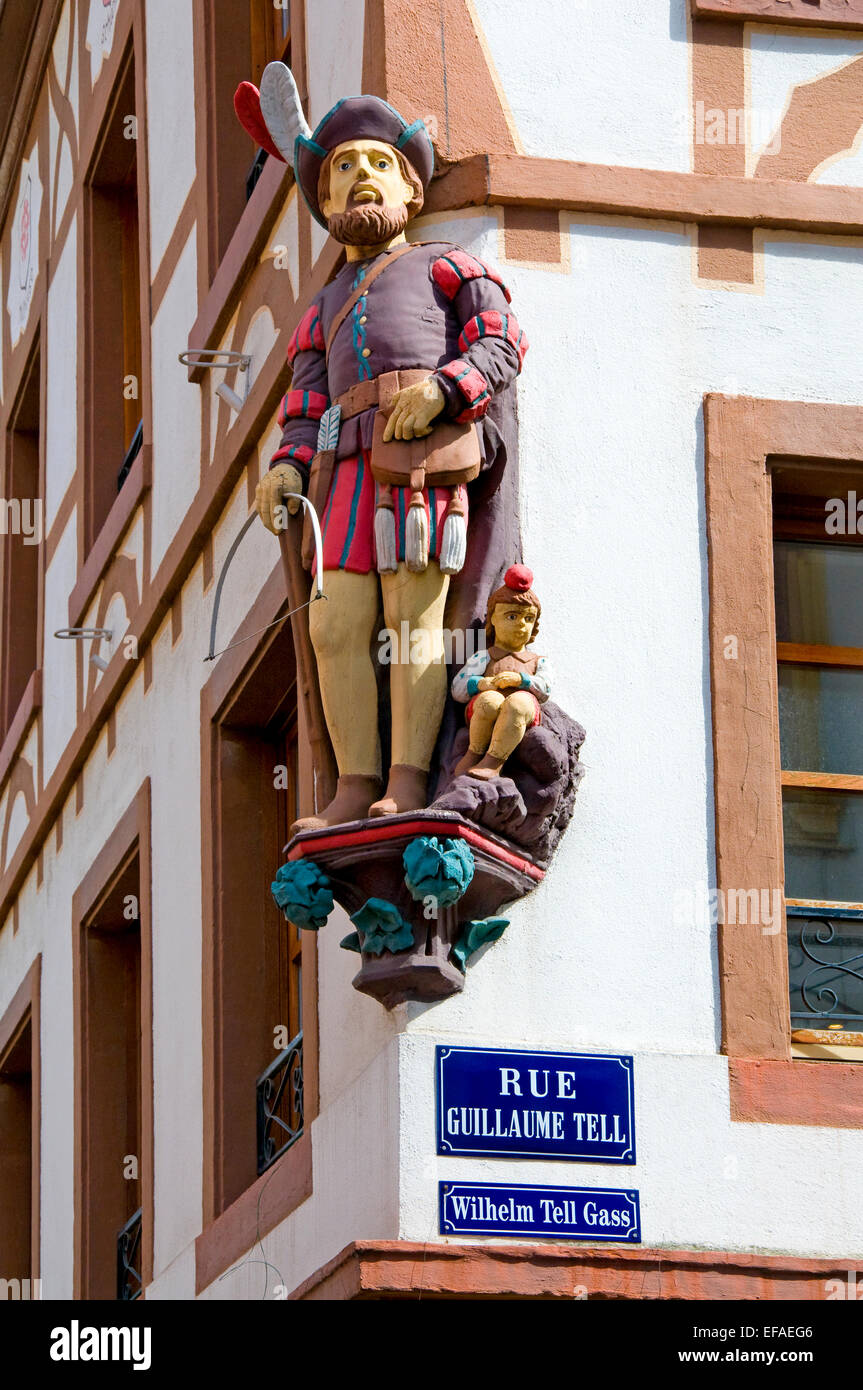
x,y
819,593
821,718
823,844
825,964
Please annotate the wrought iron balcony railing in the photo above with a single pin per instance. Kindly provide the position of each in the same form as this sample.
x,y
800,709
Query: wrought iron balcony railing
x,y
825,963
280,1104
129,1282
131,454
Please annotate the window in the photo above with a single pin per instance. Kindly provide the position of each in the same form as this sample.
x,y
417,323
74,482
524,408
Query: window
x,y
113,1065
270,32
19,1142
818,570
746,442
237,43
257,1021
24,524
113,431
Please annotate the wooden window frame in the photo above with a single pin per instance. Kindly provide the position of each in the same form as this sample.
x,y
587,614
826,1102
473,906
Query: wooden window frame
x,y
269,44
131,835
222,252
228,1233
17,711
742,435
26,1008
99,450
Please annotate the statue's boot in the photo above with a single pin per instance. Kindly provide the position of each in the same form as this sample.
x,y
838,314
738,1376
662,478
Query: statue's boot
x,y
467,762
354,795
407,790
487,768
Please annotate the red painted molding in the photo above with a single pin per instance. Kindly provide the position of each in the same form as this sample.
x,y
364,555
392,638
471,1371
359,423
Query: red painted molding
x,y
407,1269
618,191
129,498
373,835
28,707
262,1206
796,1093
830,14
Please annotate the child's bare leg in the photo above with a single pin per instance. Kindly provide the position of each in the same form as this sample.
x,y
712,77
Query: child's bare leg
x,y
510,727
482,722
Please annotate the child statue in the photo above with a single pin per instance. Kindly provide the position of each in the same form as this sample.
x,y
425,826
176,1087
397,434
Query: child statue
x,y
503,684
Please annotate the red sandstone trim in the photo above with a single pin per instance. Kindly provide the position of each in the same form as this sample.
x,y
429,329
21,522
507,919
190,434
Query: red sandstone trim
x,y
28,707
419,827
619,191
829,14
406,1269
796,1092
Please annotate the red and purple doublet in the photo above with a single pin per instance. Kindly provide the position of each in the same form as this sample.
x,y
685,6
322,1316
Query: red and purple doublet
x,y
437,308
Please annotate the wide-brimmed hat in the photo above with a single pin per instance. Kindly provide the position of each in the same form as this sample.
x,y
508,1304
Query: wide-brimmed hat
x,y
360,118
274,118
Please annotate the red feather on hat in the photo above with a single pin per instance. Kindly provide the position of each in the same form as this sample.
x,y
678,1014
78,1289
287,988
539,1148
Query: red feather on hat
x,y
247,104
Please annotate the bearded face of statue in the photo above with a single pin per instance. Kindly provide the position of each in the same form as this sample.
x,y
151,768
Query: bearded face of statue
x,y
371,193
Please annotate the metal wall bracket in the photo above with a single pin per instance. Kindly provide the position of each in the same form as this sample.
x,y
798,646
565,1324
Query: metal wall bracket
x,y
77,634
208,357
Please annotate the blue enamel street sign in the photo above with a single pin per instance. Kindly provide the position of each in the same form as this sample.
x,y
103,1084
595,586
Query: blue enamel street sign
x,y
567,1105
555,1213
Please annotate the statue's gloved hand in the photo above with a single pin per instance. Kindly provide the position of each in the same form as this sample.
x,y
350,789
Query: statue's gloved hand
x,y
283,477
413,409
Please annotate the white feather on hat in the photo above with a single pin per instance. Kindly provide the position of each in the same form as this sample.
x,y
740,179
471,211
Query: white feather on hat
x,y
281,109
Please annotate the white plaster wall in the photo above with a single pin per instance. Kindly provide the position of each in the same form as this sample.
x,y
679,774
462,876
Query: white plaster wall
x,y
171,721
61,410
622,351
18,821
176,406
703,1181
170,118
59,676
605,83
334,54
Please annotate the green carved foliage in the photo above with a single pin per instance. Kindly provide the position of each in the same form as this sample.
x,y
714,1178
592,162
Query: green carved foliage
x,y
303,893
440,869
473,935
382,928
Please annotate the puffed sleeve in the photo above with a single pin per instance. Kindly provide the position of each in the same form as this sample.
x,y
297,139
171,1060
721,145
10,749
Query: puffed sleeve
x,y
464,684
539,684
491,343
307,397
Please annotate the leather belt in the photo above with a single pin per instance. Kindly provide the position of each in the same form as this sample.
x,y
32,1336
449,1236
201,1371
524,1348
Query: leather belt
x,y
368,393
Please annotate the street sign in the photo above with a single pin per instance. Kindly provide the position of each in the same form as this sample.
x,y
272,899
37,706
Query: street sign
x,y
567,1105
552,1213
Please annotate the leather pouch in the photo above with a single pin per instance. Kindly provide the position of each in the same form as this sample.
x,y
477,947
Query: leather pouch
x,y
447,457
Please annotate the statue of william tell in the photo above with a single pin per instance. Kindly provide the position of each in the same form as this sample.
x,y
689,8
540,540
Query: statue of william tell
x,y
412,343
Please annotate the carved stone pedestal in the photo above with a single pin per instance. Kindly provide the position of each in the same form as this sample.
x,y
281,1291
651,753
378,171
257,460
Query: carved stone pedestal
x,y
363,860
